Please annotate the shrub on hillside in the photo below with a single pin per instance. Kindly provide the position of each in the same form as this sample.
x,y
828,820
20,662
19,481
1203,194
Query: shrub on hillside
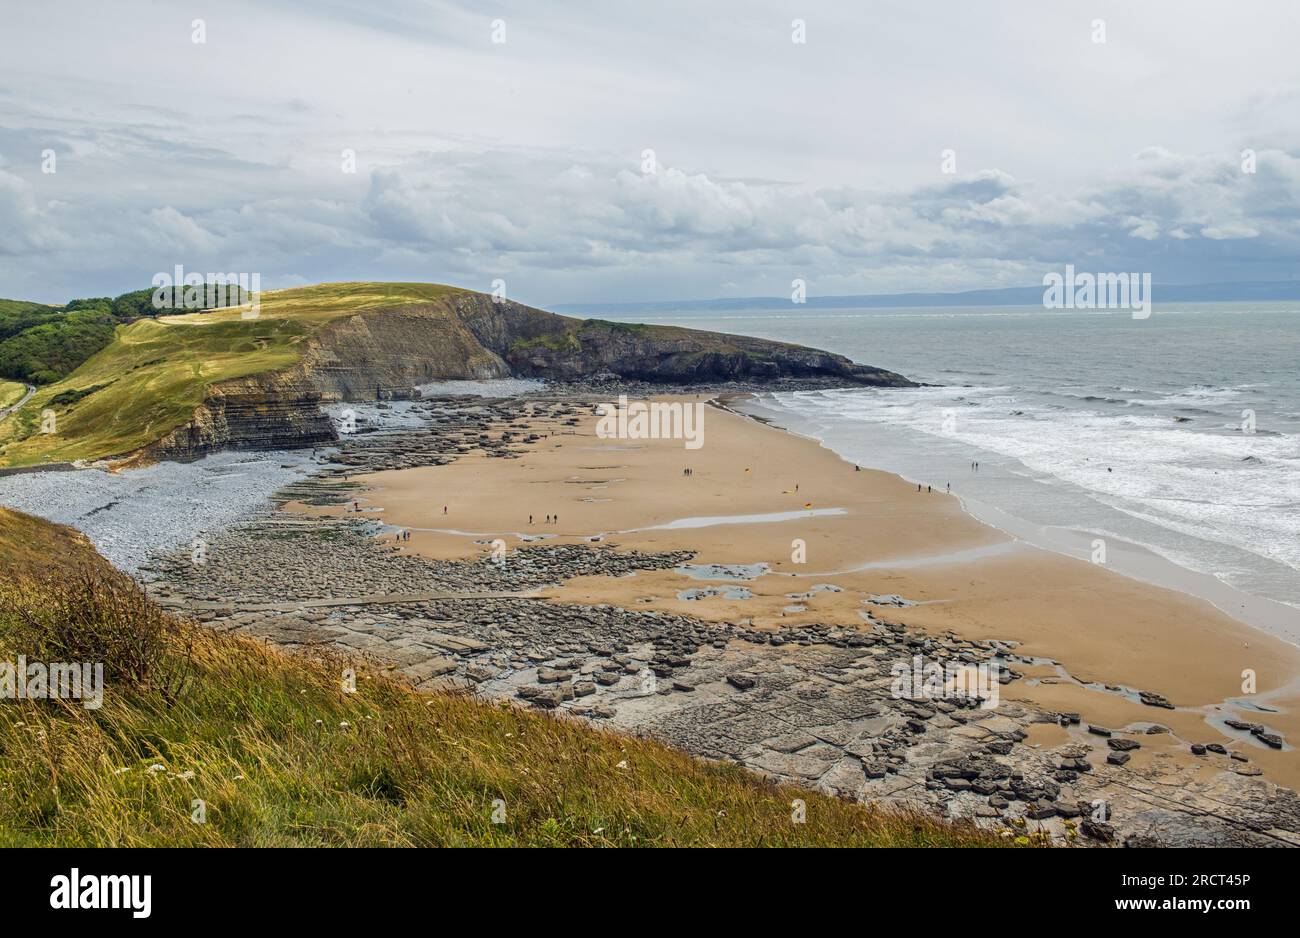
x,y
97,617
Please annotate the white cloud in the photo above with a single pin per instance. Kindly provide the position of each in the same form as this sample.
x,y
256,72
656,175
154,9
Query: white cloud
x,y
775,160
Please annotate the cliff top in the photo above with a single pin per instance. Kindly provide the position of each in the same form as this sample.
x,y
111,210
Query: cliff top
x,y
157,371
342,340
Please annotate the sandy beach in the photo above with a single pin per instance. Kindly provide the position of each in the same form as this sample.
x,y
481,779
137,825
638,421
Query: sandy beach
x,y
838,541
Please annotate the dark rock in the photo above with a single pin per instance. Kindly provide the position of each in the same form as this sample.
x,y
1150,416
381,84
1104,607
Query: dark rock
x,y
1041,809
1098,830
1154,700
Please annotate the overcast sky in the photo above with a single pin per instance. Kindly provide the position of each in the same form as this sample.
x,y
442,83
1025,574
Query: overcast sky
x,y
523,160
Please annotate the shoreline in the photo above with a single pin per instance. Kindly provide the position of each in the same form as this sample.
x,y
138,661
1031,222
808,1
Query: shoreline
x,y
1108,685
1098,641
1128,558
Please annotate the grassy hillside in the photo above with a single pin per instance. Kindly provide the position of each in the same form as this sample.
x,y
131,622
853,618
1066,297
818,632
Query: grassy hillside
x,y
279,755
156,371
14,307
41,344
11,392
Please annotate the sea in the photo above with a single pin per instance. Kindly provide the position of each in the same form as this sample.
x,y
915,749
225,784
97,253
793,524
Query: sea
x,y
1170,445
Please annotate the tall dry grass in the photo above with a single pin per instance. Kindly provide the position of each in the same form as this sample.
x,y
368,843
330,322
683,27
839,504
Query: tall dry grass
x,y
209,739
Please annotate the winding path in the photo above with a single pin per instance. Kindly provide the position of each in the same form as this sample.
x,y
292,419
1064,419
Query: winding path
x,y
5,412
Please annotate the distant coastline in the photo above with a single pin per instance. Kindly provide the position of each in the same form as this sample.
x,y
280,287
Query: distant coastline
x,y
1236,291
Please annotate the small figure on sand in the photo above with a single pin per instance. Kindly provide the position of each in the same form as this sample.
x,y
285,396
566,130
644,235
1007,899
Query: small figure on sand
x,y
918,486
530,519
444,509
949,484
929,489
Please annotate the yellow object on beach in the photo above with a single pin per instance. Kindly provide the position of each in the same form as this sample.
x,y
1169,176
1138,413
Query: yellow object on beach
x,y
807,504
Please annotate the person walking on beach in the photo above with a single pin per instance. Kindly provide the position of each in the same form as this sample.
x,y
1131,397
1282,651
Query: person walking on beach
x,y
949,487
929,489
530,519
918,486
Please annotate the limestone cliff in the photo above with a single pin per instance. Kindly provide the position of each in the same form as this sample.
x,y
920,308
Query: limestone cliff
x,y
387,351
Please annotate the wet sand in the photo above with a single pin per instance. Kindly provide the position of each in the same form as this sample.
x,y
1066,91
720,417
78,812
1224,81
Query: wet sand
x,y
869,534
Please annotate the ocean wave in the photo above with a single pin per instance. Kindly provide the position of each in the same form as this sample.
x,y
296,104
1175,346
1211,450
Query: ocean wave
x,y
1209,482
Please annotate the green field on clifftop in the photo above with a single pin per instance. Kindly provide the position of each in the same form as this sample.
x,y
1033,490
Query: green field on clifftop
x,y
153,375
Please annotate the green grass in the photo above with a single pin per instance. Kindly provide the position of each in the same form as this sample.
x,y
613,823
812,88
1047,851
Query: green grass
x,y
280,755
157,371
22,306
11,392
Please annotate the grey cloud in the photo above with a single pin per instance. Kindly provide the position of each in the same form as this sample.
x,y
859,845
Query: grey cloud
x,y
774,161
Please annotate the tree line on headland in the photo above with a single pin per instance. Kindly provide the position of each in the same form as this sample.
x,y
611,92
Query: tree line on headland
x,y
41,344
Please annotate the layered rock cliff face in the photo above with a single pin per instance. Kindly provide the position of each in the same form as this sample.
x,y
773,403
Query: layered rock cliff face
x,y
535,343
361,357
381,352
265,412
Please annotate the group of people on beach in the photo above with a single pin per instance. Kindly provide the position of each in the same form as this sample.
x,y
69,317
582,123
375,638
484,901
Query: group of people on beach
x,y
974,467
550,519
